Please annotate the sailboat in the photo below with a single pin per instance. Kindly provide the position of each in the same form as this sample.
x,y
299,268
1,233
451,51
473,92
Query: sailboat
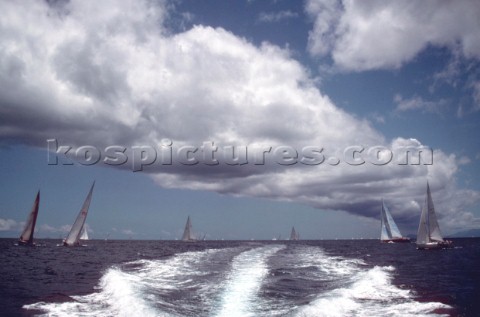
x,y
390,232
429,235
187,232
294,235
73,238
26,238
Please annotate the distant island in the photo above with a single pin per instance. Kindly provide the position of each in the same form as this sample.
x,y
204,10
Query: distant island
x,y
472,233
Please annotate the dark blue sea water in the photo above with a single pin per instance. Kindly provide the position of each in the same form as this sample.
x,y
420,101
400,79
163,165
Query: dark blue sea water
x,y
239,278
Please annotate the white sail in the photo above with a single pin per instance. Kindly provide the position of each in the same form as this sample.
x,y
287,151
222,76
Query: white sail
x,y
433,227
428,229
84,235
389,227
294,235
27,235
74,235
187,232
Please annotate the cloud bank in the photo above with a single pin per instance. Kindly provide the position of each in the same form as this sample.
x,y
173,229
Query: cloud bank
x,y
375,34
370,35
112,73
9,225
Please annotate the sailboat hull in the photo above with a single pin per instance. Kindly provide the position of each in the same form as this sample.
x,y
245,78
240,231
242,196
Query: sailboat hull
x,y
447,244
70,245
26,243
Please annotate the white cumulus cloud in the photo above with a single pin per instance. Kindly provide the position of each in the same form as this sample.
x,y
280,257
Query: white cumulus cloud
x,y
9,225
102,74
377,34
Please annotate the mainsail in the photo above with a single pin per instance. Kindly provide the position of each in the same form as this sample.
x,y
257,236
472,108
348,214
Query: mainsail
x,y
74,235
428,229
84,235
294,235
390,230
27,235
187,233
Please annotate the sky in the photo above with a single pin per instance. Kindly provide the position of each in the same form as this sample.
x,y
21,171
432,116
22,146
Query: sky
x,y
249,116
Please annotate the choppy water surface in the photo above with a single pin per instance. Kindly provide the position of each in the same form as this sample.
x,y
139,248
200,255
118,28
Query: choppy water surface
x,y
240,278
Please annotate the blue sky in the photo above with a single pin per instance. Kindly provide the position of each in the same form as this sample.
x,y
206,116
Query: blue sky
x,y
328,75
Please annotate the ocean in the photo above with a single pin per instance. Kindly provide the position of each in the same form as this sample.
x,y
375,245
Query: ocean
x,y
239,278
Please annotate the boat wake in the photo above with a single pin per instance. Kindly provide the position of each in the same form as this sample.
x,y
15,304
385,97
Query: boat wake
x,y
253,280
370,293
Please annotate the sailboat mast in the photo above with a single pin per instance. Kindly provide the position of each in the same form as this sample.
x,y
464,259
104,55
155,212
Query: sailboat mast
x,y
423,236
187,235
434,233
385,233
35,214
27,234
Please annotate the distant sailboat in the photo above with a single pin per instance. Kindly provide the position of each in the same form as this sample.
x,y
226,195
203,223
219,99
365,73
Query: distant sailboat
x,y
429,235
73,238
294,235
390,232
187,232
26,238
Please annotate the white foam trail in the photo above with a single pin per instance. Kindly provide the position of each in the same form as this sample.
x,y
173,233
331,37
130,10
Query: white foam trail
x,y
330,266
371,294
195,284
136,292
182,273
244,281
175,272
120,296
